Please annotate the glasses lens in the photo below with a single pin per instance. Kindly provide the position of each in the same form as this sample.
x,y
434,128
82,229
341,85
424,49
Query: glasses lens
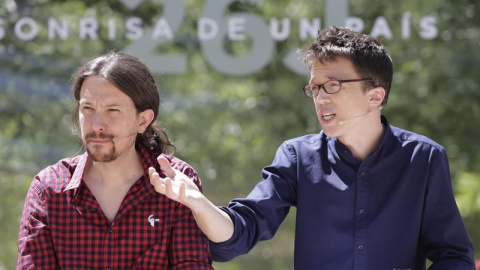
x,y
332,87
308,91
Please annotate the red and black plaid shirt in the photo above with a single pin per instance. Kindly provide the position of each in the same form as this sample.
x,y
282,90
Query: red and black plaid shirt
x,y
63,226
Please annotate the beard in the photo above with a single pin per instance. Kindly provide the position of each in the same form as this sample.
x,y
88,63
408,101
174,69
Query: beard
x,y
97,156
96,153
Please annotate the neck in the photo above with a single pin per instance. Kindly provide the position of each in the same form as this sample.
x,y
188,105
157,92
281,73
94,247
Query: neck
x,y
125,169
365,138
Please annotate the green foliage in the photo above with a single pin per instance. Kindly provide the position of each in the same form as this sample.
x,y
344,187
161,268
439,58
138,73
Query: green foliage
x,y
468,200
229,127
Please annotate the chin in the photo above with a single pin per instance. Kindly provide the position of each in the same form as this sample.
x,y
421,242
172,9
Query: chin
x,y
97,156
103,158
330,132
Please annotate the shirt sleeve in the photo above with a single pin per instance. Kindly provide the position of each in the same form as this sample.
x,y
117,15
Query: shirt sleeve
x,y
188,246
258,216
444,237
35,246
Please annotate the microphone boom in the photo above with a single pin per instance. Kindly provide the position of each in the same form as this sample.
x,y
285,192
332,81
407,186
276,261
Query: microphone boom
x,y
343,121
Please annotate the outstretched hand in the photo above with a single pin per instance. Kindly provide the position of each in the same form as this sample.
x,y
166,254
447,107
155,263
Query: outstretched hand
x,y
176,186
215,223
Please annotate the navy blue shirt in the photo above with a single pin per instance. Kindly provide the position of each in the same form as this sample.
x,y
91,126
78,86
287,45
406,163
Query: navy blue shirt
x,y
390,211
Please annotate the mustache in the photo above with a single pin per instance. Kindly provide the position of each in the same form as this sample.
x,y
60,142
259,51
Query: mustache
x,y
93,135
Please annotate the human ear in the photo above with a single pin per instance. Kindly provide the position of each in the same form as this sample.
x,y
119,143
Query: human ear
x,y
145,119
376,96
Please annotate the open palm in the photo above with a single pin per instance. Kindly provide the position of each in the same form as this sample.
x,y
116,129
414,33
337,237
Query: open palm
x,y
176,186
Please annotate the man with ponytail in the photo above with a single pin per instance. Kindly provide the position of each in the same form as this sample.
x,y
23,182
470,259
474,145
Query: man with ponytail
x,y
98,210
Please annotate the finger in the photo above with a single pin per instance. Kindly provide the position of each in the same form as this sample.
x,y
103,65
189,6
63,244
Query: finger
x,y
181,192
157,182
169,188
166,167
151,172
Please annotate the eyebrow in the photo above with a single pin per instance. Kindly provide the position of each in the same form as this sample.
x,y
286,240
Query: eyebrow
x,y
329,78
113,105
86,102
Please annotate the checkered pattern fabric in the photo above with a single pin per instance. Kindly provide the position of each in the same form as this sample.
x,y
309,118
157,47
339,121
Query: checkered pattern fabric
x,y
63,226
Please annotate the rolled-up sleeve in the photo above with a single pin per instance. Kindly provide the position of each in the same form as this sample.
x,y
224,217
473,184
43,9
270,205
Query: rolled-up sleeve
x,y
259,215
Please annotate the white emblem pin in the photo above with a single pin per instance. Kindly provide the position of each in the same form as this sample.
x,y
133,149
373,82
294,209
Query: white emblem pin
x,y
152,220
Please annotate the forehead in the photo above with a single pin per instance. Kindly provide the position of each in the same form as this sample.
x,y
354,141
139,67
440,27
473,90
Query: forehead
x,y
98,89
339,68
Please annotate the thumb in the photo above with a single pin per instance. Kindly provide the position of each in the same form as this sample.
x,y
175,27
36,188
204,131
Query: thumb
x,y
166,167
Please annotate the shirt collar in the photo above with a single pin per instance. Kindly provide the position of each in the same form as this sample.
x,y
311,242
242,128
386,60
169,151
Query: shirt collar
x,y
148,159
77,175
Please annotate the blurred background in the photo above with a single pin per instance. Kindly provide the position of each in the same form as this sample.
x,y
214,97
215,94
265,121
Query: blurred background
x,y
231,83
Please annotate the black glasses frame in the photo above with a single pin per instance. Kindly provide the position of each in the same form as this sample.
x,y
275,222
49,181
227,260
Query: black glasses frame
x,y
307,89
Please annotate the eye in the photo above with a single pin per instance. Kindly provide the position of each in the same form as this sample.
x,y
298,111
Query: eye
x,y
333,83
113,110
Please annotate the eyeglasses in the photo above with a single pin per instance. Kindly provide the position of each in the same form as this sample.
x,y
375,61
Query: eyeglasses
x,y
330,87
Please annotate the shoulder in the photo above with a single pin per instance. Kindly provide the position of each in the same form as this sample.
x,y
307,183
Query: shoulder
x,y
307,144
177,163
308,140
405,137
303,146
184,167
56,176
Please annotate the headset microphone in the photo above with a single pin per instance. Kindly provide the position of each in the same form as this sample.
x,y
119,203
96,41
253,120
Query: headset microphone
x,y
117,139
343,121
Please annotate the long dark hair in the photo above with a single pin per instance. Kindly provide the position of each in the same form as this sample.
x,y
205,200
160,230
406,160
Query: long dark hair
x,y
131,76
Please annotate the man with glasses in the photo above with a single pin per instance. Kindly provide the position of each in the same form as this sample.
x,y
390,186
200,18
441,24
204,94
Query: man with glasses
x,y
368,195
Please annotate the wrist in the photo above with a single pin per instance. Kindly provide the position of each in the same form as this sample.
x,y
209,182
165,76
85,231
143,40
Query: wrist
x,y
198,203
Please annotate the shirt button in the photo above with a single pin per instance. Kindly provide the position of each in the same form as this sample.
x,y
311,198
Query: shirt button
x,y
362,173
361,211
108,268
360,246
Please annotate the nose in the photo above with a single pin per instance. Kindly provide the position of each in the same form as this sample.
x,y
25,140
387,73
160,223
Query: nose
x,y
322,98
98,122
